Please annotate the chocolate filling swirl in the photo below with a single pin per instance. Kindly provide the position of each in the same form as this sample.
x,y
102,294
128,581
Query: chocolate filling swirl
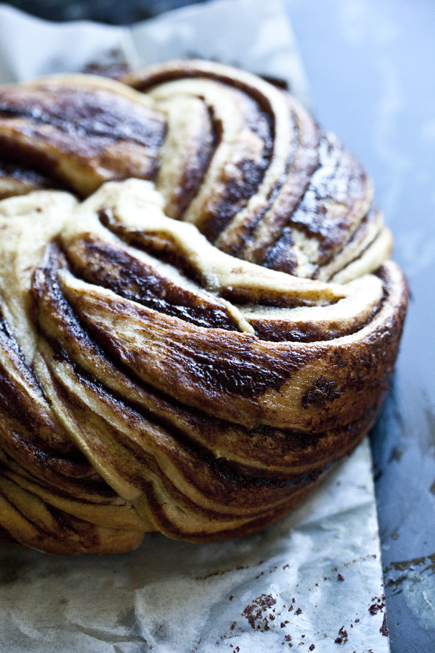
x,y
193,345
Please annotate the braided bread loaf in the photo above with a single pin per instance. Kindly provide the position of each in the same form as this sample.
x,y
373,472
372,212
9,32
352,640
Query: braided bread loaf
x,y
191,359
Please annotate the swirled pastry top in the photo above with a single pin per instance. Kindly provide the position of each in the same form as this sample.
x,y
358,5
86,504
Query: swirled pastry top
x,y
230,153
191,350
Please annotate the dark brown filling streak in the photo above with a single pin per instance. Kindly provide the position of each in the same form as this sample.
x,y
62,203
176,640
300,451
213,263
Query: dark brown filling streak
x,y
42,532
65,522
41,165
160,406
193,177
251,524
252,475
83,113
88,119
164,249
369,217
163,76
58,463
306,216
102,264
253,175
303,165
61,475
279,331
237,194
232,370
43,464
155,244
213,477
247,229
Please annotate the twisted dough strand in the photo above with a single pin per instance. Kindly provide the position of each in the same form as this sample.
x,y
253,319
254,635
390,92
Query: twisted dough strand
x,y
151,380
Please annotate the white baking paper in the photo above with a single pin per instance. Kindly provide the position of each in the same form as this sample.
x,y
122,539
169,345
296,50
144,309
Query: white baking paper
x,y
176,597
252,34
312,581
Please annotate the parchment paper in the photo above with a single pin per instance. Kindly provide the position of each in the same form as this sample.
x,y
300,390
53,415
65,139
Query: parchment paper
x,y
312,581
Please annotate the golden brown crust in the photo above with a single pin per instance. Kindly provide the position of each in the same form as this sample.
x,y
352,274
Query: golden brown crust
x,y
277,190
149,379
80,131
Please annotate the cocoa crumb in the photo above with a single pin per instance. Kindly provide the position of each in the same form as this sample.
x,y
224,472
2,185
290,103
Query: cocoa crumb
x,y
233,625
256,610
342,636
312,647
375,607
231,597
340,577
384,628
298,611
322,391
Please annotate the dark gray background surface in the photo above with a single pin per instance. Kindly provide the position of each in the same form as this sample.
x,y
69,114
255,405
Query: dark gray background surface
x,y
371,68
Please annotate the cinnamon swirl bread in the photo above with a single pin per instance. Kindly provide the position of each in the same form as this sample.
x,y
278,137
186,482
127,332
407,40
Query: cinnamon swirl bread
x,y
192,345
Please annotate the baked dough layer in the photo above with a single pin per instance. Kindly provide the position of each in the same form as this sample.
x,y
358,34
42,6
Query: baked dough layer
x,y
192,349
